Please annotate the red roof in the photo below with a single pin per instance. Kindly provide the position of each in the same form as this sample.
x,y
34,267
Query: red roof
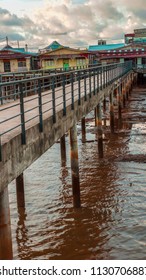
x,y
130,35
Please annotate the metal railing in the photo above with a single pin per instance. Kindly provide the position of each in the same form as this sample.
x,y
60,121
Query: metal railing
x,y
19,75
29,101
141,68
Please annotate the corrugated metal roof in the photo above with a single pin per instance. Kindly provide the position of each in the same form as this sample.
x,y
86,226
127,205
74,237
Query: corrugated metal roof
x,y
53,46
19,50
105,47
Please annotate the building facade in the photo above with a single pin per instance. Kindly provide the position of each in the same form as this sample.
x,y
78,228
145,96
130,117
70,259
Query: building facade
x,y
65,57
17,60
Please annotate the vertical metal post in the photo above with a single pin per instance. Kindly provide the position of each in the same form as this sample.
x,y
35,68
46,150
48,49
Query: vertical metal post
x,y
104,77
94,81
75,166
14,87
40,106
53,99
64,95
109,75
25,84
85,86
63,149
101,78
106,82
23,134
83,122
72,91
99,129
1,90
97,80
112,120
6,252
79,89
20,191
104,109
90,83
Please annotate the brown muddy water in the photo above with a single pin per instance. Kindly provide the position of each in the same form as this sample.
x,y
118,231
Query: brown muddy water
x,y
111,224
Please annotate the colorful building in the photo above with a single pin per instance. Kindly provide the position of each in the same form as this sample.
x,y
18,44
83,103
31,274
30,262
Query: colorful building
x,y
64,57
17,60
134,52
139,36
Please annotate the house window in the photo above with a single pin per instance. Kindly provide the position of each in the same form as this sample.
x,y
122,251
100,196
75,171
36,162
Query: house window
x,y
7,66
49,63
81,61
21,63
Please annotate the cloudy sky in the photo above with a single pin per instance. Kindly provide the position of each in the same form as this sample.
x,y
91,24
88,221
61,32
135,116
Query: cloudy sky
x,y
75,23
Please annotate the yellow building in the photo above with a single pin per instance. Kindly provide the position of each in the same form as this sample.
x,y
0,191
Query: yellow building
x,y
64,57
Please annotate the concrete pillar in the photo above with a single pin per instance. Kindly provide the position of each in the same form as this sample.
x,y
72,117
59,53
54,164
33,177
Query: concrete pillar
x,y
112,119
95,114
83,122
119,103
124,94
99,129
75,166
104,109
63,149
104,104
5,227
20,191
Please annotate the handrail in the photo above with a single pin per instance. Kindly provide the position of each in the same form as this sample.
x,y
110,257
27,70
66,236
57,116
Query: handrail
x,y
40,97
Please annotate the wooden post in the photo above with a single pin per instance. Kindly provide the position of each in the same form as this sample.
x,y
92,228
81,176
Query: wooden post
x,y
75,166
99,129
112,120
95,114
104,104
124,94
20,191
83,130
5,227
119,103
104,110
63,149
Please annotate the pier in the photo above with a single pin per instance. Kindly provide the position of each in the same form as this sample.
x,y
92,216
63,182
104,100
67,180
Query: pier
x,y
31,122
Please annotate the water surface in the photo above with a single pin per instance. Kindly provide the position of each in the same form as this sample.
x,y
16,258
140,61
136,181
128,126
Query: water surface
x,y
111,223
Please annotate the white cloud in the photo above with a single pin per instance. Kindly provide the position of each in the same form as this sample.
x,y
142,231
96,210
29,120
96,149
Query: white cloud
x,y
72,22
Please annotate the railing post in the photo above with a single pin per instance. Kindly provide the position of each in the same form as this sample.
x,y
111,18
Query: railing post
x,y
90,83
53,100
40,106
101,78
72,91
1,90
85,86
23,132
94,72
97,80
104,77
79,89
64,96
